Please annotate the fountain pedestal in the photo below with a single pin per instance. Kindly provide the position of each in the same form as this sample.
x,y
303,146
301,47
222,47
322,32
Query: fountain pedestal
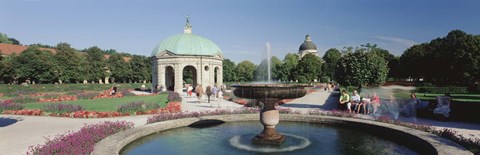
x,y
269,94
269,117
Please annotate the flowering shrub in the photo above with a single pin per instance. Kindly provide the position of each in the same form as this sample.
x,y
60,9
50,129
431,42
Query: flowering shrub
x,y
471,144
137,107
174,97
335,113
60,108
288,111
79,142
86,95
25,99
9,105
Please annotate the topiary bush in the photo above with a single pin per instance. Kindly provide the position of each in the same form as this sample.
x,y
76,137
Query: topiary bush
x,y
302,79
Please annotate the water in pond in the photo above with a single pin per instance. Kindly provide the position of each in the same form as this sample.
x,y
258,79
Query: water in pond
x,y
234,138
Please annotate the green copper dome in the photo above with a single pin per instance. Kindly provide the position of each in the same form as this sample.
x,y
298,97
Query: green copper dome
x,y
307,44
187,44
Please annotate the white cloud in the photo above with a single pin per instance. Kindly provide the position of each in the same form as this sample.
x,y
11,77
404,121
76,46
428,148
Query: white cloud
x,y
396,40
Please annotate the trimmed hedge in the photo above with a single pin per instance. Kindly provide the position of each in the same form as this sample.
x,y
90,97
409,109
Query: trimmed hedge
x,y
442,90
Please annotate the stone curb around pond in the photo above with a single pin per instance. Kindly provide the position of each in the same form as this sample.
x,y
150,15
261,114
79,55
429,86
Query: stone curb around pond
x,y
430,143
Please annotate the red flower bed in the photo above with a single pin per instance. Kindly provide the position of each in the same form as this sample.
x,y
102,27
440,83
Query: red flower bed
x,y
58,99
106,94
240,101
23,112
36,94
172,107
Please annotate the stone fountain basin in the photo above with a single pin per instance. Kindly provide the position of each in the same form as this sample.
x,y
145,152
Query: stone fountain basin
x,y
277,91
430,143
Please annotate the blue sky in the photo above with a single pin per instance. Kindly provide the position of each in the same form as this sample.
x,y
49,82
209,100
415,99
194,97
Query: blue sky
x,y
240,28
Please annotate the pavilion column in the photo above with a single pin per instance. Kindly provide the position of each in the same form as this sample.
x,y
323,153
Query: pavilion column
x,y
211,72
219,76
161,77
178,78
154,74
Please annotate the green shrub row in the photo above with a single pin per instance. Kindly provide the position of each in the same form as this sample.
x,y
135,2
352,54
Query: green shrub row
x,y
442,90
16,90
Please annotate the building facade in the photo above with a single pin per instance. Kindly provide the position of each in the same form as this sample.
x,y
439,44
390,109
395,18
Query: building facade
x,y
307,47
186,52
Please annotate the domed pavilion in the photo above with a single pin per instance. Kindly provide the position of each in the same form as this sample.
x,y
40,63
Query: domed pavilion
x,y
307,47
186,53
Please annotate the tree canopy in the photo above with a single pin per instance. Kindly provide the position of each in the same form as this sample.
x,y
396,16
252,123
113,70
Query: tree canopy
x,y
330,57
309,67
229,74
457,54
361,68
245,71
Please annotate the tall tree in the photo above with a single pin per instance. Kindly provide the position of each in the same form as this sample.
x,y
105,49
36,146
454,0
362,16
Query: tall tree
x,y
229,71
69,63
457,54
140,69
35,65
330,57
309,67
261,71
5,39
276,65
119,68
97,68
7,68
361,68
289,65
245,71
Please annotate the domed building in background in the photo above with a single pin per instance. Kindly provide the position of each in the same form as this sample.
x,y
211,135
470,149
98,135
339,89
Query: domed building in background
x,y
307,47
186,53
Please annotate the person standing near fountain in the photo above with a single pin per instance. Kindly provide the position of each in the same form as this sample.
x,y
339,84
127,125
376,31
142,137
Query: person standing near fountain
x,y
189,91
199,92
209,92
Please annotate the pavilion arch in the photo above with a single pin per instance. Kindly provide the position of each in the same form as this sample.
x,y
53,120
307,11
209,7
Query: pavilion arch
x,y
218,74
190,72
169,78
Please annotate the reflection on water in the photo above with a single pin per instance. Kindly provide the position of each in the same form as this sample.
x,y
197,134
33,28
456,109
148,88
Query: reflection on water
x,y
324,139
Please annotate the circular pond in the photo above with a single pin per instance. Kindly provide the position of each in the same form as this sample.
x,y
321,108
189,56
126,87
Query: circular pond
x,y
235,138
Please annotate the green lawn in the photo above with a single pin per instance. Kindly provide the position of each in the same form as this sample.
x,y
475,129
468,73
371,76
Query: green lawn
x,y
105,105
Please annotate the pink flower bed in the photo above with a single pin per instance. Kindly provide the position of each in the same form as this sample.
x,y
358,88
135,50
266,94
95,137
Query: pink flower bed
x,y
79,142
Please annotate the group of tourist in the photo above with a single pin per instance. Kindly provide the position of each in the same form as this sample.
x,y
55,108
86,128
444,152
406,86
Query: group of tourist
x,y
209,92
357,104
369,104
